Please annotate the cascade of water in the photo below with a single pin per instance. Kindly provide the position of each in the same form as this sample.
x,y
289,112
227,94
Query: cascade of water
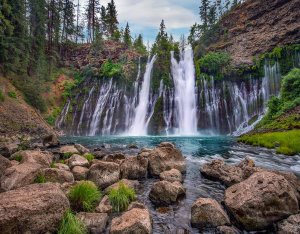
x,y
185,99
139,124
63,114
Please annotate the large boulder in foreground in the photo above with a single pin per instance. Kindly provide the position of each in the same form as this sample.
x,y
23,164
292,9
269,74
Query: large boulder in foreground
x,y
165,157
57,175
104,174
44,158
36,208
104,206
116,158
95,222
290,225
171,176
77,160
133,221
68,149
207,212
165,192
134,167
80,173
260,200
4,164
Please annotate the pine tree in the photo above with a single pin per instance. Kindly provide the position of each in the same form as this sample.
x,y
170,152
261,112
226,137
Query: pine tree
x,y
139,45
68,20
212,15
204,8
127,36
112,20
103,21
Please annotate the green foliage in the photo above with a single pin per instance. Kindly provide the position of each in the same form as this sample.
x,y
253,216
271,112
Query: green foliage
x,y
40,179
12,94
72,224
18,157
110,69
120,198
50,120
84,196
68,155
288,141
53,165
127,36
2,97
139,46
89,157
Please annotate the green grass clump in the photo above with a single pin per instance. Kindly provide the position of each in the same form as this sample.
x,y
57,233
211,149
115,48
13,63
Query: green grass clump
x,y
61,161
72,224
53,165
12,94
40,179
68,155
18,157
89,157
84,196
288,141
2,97
120,198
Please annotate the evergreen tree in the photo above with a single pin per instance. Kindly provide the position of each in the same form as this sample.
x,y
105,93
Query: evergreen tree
x,y
127,37
212,15
93,8
139,45
204,8
112,21
103,21
68,20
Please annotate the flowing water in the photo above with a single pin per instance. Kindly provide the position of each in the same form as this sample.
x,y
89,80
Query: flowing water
x,y
197,151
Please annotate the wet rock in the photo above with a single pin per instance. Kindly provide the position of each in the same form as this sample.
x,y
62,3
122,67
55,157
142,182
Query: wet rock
x,y
4,164
129,183
57,175
51,140
116,158
134,167
95,222
62,166
137,205
132,221
44,158
260,200
226,230
171,176
68,149
104,206
77,160
132,146
165,157
106,146
99,154
81,149
207,212
80,173
290,225
145,152
165,192
36,208
104,174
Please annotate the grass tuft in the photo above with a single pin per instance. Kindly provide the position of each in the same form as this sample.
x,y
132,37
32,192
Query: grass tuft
x,y
18,157
71,224
120,198
12,94
53,165
84,196
2,97
40,179
89,157
68,155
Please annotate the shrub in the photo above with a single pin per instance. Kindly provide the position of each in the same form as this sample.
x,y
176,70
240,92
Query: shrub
x,y
84,196
2,97
110,69
50,120
53,165
120,198
89,157
71,224
18,157
68,155
40,178
12,94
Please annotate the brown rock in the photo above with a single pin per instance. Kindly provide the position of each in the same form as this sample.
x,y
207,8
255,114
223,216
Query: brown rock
x,y
116,158
132,146
132,221
51,140
68,149
145,152
8,148
171,176
290,225
165,157
77,160
104,206
226,230
137,205
4,164
99,154
207,212
95,222
129,183
44,158
67,186
260,200
81,149
134,167
62,166
57,175
36,208
104,174
165,192
80,173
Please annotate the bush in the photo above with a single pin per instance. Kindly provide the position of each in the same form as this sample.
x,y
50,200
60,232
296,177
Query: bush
x,y
110,69
12,94
50,120
71,224
68,155
40,179
89,157
120,198
18,157
2,97
84,196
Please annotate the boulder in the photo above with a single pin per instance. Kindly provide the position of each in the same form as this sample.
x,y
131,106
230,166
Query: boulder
x,y
129,183
104,206
104,174
132,146
226,230
51,140
99,154
137,205
4,164
57,175
171,176
80,173
165,192
44,158
134,167
68,149
106,146
77,160
67,186
81,149
8,148
14,163
145,152
165,157
36,208
132,221
116,158
62,166
94,161
208,213
290,225
260,200
95,222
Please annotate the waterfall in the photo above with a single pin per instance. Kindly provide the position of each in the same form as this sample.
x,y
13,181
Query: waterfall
x,y
183,73
139,124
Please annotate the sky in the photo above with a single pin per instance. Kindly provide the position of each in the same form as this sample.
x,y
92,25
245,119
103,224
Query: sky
x,y
144,16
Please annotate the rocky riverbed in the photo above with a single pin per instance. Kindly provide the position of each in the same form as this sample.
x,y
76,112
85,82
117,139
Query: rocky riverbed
x,y
176,193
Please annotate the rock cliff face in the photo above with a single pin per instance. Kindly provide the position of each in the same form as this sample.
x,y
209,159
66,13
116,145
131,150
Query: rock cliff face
x,y
258,26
